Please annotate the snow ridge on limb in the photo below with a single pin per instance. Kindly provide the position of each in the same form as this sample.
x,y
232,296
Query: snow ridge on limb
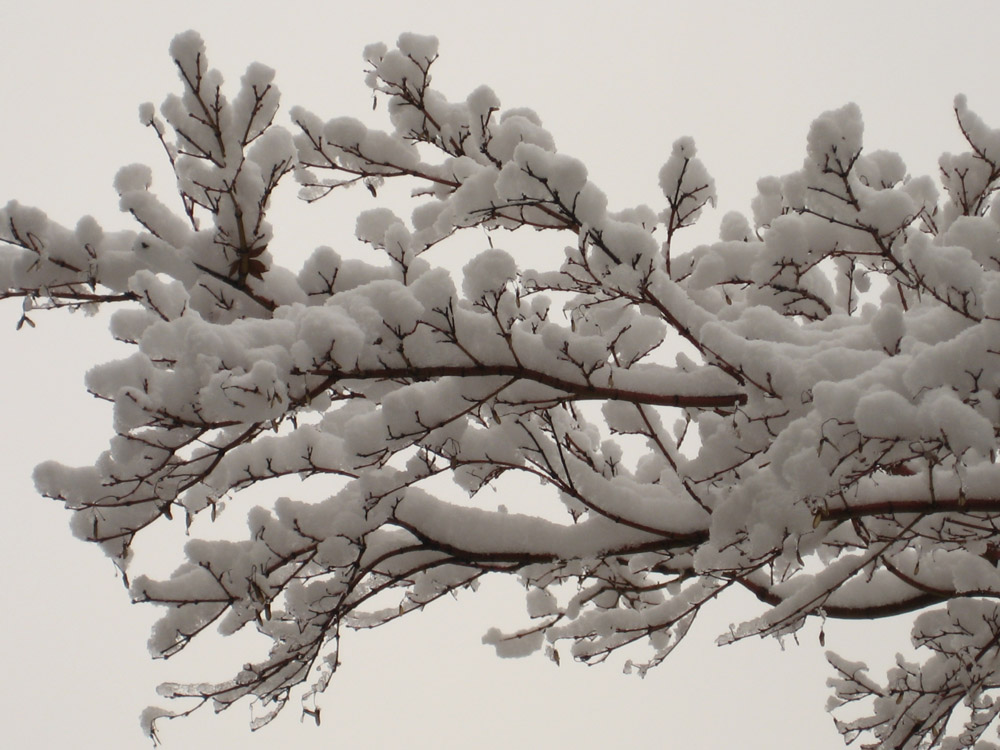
x,y
815,395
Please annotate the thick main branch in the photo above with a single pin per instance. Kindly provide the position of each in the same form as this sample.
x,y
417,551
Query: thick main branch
x,y
580,391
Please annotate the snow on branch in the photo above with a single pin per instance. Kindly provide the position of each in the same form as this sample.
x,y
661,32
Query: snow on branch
x,y
807,409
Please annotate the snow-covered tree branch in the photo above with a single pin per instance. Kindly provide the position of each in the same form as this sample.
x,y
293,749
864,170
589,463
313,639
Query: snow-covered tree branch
x,y
807,408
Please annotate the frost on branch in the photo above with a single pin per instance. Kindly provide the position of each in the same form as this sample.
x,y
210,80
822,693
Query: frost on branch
x,y
806,409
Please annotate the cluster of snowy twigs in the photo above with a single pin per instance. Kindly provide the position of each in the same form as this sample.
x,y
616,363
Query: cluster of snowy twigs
x,y
807,409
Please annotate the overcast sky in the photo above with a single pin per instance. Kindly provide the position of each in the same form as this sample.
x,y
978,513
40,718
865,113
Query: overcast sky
x,y
616,84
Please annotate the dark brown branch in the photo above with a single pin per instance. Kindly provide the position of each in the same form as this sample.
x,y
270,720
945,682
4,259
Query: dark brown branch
x,y
583,391
918,600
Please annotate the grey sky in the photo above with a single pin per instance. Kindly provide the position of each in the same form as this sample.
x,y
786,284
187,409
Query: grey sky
x,y
615,85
